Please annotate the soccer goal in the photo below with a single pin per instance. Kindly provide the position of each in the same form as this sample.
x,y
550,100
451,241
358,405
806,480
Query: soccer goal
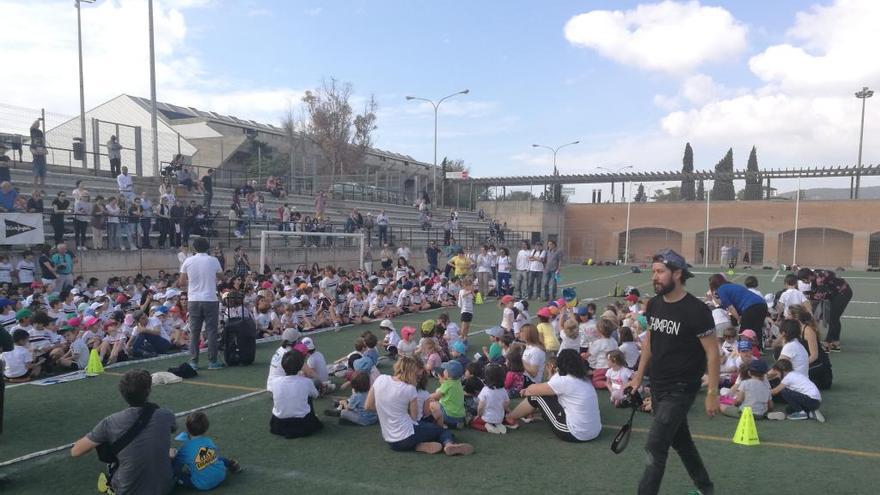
x,y
288,250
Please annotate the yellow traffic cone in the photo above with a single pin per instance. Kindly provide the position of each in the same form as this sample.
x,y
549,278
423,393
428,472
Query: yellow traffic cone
x,y
479,298
94,368
746,431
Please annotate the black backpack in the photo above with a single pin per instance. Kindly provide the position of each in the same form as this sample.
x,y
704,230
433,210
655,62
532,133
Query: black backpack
x,y
240,340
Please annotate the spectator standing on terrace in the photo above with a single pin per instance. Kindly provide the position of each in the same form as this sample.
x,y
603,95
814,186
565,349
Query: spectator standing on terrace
x,y
432,253
404,252
38,152
382,223
146,218
320,204
60,206
125,184
82,213
208,189
522,268
114,153
369,223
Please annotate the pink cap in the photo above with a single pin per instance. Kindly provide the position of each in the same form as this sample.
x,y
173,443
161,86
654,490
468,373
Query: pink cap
x,y
407,332
91,320
74,322
301,348
266,285
544,312
749,334
506,299
560,302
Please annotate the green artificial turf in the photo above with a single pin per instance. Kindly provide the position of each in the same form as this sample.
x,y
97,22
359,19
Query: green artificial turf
x,y
841,455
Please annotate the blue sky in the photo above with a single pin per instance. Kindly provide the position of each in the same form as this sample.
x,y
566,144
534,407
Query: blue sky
x,y
741,73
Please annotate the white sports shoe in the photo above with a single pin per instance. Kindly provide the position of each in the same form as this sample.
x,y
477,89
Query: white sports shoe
x,y
498,429
776,415
817,415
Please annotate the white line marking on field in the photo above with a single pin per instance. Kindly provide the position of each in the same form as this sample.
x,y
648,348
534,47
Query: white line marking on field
x,y
774,276
34,455
862,317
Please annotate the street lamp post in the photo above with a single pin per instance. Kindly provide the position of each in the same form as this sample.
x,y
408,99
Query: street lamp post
x,y
555,170
436,107
622,192
863,95
82,91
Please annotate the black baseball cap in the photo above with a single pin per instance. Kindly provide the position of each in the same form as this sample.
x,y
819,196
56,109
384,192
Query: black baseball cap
x,y
673,261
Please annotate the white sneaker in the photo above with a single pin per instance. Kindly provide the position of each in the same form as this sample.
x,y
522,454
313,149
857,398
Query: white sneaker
x,y
776,415
496,429
817,415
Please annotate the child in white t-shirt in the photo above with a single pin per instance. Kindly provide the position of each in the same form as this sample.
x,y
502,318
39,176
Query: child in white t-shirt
x,y
20,365
293,415
793,350
597,355
791,295
492,402
799,393
571,336
628,347
617,376
507,313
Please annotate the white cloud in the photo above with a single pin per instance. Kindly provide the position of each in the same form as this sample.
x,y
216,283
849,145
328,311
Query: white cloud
x,y
116,59
831,48
667,36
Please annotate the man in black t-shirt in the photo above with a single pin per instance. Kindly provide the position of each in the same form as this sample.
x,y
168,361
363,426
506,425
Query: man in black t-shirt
x,y
680,347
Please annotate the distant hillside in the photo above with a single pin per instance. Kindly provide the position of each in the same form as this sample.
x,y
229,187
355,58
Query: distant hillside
x,y
819,193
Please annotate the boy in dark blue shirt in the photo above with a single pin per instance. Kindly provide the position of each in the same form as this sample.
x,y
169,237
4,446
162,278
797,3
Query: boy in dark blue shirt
x,y
197,463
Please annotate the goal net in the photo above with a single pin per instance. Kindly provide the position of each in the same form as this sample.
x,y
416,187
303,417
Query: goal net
x,y
288,250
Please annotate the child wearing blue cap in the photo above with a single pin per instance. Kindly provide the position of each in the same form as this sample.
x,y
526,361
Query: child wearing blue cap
x,y
447,403
458,352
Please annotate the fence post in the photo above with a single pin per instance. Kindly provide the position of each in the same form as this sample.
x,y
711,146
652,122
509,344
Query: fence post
x,y
96,140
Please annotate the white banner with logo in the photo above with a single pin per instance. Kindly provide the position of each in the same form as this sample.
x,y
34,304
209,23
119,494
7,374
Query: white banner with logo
x,y
21,228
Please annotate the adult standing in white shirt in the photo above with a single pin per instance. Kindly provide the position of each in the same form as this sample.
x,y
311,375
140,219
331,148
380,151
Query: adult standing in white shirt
x,y
199,273
536,268
484,270
114,153
522,268
125,184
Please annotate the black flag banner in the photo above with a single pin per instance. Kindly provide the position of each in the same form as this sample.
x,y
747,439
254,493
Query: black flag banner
x,y
21,228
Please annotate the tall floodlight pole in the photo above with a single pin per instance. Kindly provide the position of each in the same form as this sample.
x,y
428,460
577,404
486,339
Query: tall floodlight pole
x,y
555,151
436,107
82,91
863,95
153,119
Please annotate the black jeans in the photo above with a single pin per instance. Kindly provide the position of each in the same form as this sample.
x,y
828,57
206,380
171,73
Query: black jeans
x,y
753,318
383,234
838,306
670,405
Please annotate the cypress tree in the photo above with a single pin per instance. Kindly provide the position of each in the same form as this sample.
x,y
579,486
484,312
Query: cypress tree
x,y
753,178
722,189
687,185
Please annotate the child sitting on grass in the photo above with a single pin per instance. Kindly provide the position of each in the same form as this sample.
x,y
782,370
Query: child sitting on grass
x,y
407,345
197,463
447,403
293,414
571,336
617,376
493,402
351,411
753,392
20,364
799,393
